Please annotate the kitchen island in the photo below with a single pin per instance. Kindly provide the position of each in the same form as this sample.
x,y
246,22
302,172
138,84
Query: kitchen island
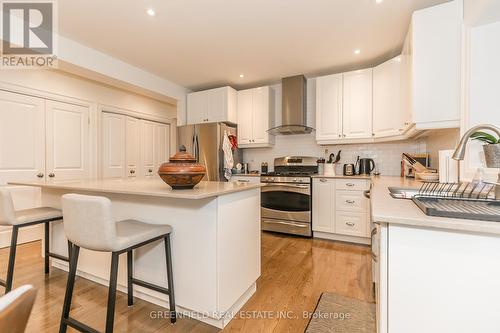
x,y
215,241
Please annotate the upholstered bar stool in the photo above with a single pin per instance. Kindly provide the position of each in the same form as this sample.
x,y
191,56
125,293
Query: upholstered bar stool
x,y
24,218
88,223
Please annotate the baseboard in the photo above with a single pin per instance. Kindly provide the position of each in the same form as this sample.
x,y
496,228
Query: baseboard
x,y
25,235
342,238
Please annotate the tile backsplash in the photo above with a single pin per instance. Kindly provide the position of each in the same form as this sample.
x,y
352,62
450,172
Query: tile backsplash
x,y
387,156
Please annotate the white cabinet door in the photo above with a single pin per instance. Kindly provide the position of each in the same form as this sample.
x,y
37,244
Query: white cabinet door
x,y
323,205
148,147
217,104
388,116
132,146
261,114
22,137
67,137
436,73
357,104
113,145
162,147
245,116
197,107
329,107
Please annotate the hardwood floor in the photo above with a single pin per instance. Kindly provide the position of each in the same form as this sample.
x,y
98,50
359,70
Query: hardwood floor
x,y
295,271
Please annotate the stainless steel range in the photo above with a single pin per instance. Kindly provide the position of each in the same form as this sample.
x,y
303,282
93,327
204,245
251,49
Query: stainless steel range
x,y
286,196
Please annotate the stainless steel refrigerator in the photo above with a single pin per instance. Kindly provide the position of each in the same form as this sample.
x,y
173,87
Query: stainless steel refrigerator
x,y
205,142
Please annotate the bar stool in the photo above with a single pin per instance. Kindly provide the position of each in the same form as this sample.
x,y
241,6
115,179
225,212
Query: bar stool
x,y
88,223
24,218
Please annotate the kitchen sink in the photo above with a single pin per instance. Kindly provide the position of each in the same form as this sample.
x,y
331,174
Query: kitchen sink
x,y
403,192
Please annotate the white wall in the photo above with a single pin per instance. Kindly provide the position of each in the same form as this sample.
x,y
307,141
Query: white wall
x,y
387,155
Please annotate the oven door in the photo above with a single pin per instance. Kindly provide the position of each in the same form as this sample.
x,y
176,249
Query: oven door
x,y
289,202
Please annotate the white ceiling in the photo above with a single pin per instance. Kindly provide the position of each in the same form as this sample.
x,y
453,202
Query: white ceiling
x,y
206,43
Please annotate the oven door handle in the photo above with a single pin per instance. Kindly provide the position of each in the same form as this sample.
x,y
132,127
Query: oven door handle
x,y
299,225
301,189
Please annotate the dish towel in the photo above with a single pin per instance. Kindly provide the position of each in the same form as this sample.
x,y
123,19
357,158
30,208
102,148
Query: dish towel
x,y
228,156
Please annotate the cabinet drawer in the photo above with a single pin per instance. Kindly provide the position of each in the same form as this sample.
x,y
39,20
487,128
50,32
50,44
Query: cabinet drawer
x,y
350,201
352,224
246,179
352,184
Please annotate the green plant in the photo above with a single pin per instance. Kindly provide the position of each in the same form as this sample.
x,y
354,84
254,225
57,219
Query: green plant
x,y
485,137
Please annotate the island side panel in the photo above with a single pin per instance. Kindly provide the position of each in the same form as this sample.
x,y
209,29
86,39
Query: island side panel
x,y
238,251
193,247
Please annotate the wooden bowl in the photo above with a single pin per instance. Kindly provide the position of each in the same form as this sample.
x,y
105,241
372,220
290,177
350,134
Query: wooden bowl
x,y
182,172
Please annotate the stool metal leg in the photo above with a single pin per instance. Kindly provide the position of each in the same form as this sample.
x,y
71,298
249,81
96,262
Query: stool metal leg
x,y
170,278
110,316
69,288
47,247
130,276
70,245
12,259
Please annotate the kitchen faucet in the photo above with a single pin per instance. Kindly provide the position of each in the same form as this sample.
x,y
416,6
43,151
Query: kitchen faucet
x,y
459,153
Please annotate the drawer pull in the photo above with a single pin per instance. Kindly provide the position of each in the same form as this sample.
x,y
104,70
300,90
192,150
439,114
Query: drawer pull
x,y
350,201
350,184
243,181
351,224
323,180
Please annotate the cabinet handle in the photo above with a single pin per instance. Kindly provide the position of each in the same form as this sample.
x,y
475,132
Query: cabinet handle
x,y
351,224
350,184
40,175
323,180
340,135
243,181
350,201
132,171
150,170
52,175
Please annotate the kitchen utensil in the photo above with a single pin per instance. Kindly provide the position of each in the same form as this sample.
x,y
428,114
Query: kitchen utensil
x,y
331,158
366,166
349,169
338,157
182,172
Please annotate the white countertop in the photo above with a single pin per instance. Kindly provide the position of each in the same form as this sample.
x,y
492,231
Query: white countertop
x,y
154,187
343,177
404,212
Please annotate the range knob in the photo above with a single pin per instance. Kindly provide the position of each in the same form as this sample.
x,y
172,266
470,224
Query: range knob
x,y
295,180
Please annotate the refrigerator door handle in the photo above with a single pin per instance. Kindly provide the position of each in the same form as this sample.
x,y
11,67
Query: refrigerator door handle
x,y
196,147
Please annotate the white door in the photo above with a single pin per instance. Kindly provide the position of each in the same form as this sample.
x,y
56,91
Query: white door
x,y
162,146
261,115
217,104
22,137
113,145
329,107
67,137
132,146
245,116
323,204
197,107
388,116
148,148
357,101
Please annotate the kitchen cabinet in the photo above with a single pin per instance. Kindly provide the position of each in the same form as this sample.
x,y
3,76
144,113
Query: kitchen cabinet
x,y
132,147
436,65
255,117
340,210
42,139
357,104
253,179
329,107
214,105
388,107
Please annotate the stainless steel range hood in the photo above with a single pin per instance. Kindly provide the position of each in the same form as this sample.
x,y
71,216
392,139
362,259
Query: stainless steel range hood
x,y
294,107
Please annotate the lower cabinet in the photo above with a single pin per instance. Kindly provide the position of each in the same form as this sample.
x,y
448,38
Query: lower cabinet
x,y
340,210
253,179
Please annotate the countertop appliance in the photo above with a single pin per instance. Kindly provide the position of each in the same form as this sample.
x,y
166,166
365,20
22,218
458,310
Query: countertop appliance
x,y
286,204
204,141
366,166
349,169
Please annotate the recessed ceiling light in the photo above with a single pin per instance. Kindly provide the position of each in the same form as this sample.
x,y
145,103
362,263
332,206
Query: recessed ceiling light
x,y
151,12
378,1
242,75
357,51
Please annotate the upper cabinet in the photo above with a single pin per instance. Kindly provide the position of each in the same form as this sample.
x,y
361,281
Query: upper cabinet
x,y
329,107
436,63
255,117
214,105
388,108
357,101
